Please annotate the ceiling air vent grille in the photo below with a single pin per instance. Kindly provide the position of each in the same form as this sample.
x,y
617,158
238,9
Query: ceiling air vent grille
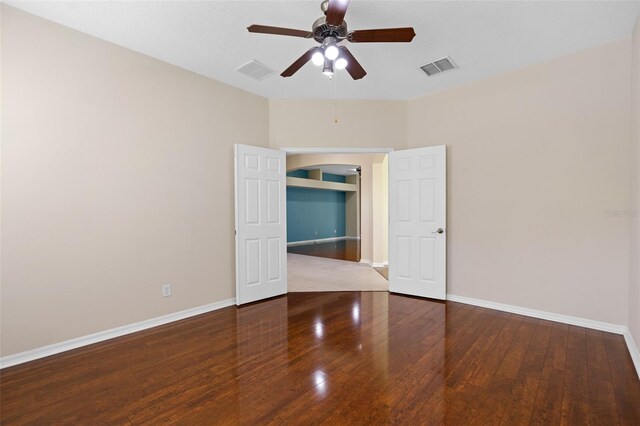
x,y
439,66
256,70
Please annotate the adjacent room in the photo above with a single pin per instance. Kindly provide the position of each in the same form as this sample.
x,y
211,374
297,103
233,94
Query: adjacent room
x,y
334,209
323,211
304,212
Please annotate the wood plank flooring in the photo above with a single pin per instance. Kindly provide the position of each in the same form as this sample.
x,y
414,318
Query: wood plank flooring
x,y
335,358
341,250
384,271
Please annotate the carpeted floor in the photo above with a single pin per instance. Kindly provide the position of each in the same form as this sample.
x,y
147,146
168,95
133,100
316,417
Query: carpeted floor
x,y
309,273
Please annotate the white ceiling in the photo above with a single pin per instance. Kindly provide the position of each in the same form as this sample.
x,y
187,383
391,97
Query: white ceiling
x,y
483,38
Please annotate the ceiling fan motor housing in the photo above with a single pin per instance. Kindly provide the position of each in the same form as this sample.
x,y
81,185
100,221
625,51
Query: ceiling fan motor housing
x,y
322,30
329,31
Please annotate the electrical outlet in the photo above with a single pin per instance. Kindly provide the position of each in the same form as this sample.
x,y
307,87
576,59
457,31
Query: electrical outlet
x,y
166,290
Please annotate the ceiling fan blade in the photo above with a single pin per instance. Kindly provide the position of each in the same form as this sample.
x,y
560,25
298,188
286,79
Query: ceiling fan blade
x,y
353,66
382,35
293,68
265,29
336,11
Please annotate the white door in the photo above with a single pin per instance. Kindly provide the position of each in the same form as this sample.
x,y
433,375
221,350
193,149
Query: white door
x,y
417,222
261,248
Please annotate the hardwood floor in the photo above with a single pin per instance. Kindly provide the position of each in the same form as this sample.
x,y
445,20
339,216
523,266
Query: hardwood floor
x,y
384,271
335,358
341,250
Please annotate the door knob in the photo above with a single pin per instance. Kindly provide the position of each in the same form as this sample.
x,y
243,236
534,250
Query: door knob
x,y
438,231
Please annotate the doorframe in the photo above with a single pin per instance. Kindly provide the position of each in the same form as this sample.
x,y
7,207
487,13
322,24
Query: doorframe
x,y
337,150
297,151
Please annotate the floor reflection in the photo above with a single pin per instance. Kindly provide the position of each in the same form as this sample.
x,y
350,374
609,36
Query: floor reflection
x,y
319,329
355,314
344,350
262,353
320,380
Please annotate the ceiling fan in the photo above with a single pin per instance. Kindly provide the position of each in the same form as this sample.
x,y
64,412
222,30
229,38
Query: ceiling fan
x,y
331,30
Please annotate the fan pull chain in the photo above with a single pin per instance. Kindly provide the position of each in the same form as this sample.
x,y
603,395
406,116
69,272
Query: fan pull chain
x,y
335,99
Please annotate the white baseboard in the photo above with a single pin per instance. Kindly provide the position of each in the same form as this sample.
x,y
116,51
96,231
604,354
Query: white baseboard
x,y
33,354
320,240
22,357
565,319
550,316
367,261
380,265
633,350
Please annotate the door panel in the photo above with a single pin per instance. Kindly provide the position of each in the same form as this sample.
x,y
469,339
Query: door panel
x,y
417,197
260,223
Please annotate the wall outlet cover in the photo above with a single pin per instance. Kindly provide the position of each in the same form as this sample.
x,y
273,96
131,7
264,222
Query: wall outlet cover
x,y
166,290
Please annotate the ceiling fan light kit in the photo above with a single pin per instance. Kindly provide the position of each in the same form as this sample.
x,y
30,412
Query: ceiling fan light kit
x,y
331,30
327,69
318,58
330,48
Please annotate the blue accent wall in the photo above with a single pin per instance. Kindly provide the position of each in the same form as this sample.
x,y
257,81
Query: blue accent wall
x,y
299,173
329,177
309,210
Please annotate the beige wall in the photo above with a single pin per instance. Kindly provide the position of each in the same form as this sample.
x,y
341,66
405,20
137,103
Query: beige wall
x,y
368,238
380,217
634,291
361,124
352,207
117,178
535,157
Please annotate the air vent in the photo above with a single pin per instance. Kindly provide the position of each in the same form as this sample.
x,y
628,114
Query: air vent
x,y
439,66
256,70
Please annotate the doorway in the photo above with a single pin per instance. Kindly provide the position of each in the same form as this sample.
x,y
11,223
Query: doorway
x,y
416,222
337,209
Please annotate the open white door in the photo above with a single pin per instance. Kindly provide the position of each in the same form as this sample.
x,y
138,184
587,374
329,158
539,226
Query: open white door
x,y
417,222
261,248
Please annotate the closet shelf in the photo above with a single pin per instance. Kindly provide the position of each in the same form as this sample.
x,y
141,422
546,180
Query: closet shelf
x,y
320,184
